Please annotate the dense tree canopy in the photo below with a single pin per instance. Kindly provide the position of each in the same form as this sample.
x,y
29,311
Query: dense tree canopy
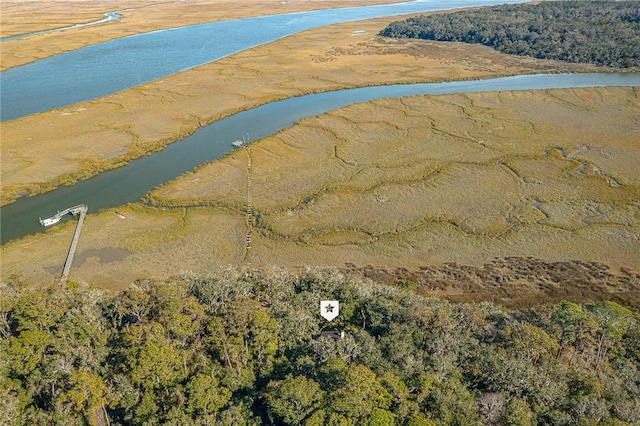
x,y
235,349
595,32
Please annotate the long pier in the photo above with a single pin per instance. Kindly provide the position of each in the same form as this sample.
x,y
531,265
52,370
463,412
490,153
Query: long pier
x,y
249,208
80,210
77,210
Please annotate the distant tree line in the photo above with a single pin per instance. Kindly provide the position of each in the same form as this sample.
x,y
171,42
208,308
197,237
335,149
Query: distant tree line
x,y
244,350
596,32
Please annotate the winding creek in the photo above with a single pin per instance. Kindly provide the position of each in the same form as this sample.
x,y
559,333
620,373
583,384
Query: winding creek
x,y
105,68
131,182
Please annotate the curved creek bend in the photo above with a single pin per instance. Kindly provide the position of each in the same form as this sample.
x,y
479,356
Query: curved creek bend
x,y
105,68
131,182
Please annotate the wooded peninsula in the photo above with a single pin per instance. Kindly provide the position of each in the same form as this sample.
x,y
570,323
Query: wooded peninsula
x,y
248,349
603,33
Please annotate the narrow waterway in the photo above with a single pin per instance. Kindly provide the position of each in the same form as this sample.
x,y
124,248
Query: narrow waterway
x,y
108,17
105,68
131,182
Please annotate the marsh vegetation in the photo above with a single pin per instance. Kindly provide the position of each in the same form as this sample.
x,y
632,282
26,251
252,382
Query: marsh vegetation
x,y
108,132
397,183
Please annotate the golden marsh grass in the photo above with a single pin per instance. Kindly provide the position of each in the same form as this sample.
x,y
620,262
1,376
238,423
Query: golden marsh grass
x,y
62,146
397,183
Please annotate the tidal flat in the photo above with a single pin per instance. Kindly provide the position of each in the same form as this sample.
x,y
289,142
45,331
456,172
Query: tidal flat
x,y
403,184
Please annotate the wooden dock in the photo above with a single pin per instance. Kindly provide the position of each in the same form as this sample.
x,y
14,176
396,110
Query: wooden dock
x,y
80,210
75,210
249,208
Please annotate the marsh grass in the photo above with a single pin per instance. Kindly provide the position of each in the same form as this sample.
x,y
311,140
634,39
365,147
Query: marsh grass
x,y
138,16
493,179
62,146
399,183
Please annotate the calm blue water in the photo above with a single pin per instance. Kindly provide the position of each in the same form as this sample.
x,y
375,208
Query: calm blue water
x,y
112,66
131,182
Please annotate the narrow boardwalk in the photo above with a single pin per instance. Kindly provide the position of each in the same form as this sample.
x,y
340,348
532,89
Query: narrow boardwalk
x,y
249,208
77,210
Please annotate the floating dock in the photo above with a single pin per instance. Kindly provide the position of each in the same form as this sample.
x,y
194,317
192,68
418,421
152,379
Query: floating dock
x,y
75,210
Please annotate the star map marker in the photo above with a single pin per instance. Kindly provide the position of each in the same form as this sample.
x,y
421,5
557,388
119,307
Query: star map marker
x,y
329,309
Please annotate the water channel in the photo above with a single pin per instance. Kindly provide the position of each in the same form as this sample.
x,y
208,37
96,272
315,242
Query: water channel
x,y
131,182
108,17
105,68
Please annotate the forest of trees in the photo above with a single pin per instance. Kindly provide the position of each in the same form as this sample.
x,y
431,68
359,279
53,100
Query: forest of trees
x,y
234,349
596,32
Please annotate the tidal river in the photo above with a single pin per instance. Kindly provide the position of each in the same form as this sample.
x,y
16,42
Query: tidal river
x,y
105,68
131,182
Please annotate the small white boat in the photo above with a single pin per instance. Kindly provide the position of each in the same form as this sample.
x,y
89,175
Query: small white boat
x,y
50,220
75,210
237,143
